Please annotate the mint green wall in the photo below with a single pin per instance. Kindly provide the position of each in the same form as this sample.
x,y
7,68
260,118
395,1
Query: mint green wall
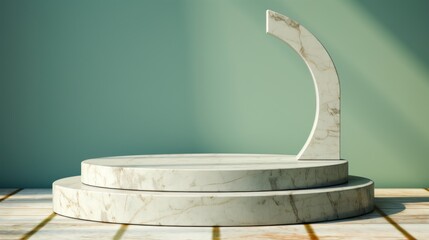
x,y
84,79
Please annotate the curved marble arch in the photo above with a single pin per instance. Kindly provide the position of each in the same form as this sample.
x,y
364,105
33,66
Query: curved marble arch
x,y
324,140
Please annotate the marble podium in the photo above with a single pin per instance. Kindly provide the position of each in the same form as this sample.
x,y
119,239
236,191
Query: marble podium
x,y
231,189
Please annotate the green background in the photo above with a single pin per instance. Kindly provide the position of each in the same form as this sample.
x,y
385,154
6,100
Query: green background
x,y
84,79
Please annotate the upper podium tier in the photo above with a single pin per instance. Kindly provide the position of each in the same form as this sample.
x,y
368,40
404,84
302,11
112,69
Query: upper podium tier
x,y
212,172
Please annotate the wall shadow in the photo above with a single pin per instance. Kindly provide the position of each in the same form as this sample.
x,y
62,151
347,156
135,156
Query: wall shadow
x,y
406,20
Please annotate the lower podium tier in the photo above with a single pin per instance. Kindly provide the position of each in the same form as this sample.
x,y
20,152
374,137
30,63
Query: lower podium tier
x,y
73,199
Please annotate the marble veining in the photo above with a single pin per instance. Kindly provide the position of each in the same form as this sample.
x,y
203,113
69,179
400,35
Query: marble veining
x,y
212,172
74,199
324,140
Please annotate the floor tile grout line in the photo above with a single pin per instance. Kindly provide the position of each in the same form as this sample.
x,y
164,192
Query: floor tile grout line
x,y
404,232
310,231
120,232
39,226
10,194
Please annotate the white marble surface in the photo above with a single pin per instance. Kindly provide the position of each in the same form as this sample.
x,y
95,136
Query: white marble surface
x,y
212,172
324,139
73,199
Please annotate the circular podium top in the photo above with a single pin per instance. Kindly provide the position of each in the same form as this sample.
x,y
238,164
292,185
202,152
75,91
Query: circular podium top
x,y
212,172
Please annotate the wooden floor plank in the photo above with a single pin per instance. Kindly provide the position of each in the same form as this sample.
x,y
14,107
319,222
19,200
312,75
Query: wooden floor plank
x,y
29,198
209,233
395,224
67,228
154,232
23,211
6,192
402,202
15,227
5,212
356,231
39,226
401,192
370,218
297,231
409,216
419,231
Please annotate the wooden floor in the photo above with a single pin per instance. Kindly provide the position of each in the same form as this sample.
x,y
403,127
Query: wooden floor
x,y
400,214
